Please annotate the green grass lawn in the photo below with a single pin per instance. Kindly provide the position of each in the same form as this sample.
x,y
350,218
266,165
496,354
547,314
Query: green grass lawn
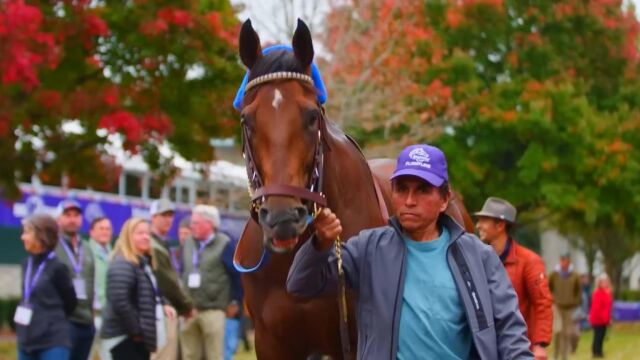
x,y
621,343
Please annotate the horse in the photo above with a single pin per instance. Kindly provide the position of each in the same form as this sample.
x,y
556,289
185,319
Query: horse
x,y
298,161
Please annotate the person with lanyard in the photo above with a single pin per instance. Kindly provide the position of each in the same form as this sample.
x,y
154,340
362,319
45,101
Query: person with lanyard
x,y
525,268
100,234
213,283
426,288
48,297
74,252
133,318
162,215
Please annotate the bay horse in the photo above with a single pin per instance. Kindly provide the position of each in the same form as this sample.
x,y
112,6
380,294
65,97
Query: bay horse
x,y
296,160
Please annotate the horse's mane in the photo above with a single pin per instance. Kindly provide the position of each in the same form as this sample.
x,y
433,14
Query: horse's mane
x,y
275,61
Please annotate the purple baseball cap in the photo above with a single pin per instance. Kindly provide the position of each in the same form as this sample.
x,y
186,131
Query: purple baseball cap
x,y
424,161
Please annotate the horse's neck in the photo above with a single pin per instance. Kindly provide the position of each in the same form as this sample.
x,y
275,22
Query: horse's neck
x,y
348,184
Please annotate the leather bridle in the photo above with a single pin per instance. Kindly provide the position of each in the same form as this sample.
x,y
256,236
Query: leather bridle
x,y
258,191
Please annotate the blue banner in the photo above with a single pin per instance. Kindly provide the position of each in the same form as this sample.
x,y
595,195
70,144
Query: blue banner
x,y
94,205
626,311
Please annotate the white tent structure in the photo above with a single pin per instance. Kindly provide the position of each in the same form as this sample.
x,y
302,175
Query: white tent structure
x,y
221,182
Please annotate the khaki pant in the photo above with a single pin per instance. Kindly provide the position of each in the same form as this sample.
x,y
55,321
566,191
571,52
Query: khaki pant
x,y
564,331
203,331
97,351
170,350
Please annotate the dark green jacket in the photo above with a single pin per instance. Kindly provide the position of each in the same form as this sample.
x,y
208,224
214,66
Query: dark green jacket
x,y
83,314
168,280
215,285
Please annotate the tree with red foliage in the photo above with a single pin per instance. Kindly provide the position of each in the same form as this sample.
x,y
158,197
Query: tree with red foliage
x,y
150,71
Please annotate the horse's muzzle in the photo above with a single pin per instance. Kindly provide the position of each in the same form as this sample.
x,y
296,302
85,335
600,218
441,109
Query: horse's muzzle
x,y
282,226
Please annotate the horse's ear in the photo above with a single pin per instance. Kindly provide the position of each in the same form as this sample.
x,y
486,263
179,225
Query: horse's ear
x,y
250,50
302,44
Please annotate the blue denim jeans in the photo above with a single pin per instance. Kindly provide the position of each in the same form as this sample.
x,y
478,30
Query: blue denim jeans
x,y
54,353
231,337
81,341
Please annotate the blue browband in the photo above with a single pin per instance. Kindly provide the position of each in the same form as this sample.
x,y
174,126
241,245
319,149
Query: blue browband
x,y
315,75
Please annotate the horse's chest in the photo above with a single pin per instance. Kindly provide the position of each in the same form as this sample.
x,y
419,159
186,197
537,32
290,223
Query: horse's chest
x,y
282,314
278,309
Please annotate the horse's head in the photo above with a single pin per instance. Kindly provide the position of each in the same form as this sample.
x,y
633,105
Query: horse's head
x,y
281,121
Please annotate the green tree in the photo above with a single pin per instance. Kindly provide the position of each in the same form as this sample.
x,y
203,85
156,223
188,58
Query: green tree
x,y
151,71
536,102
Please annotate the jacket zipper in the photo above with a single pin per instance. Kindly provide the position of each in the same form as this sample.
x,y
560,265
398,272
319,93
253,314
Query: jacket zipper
x,y
395,305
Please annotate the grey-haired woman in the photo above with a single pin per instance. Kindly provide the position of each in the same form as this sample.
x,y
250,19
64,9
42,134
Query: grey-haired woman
x,y
48,297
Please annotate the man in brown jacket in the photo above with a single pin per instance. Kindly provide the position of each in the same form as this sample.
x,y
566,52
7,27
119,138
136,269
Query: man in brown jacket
x,y
565,285
525,269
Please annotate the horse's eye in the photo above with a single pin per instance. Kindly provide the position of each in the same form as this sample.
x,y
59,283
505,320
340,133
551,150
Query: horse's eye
x,y
312,118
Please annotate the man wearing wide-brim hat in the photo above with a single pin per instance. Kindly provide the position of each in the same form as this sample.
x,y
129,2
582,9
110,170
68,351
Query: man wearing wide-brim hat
x,y
525,269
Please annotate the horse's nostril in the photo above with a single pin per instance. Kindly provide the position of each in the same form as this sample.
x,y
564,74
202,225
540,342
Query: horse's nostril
x,y
301,212
263,212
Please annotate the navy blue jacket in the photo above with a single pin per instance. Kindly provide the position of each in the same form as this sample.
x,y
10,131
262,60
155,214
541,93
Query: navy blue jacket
x,y
52,300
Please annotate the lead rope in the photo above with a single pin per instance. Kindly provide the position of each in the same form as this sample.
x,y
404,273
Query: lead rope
x,y
342,302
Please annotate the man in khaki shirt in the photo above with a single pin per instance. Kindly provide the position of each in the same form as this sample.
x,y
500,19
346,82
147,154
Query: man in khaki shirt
x,y
565,286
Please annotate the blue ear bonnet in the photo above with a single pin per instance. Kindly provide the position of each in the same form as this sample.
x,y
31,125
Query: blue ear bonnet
x,y
315,75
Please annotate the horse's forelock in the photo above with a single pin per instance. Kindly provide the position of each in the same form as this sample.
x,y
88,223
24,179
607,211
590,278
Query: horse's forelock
x,y
276,61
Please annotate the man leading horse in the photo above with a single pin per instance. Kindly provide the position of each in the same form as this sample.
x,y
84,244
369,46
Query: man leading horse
x,y
427,289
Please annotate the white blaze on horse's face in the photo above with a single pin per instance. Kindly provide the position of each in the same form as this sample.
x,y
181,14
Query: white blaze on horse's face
x,y
277,99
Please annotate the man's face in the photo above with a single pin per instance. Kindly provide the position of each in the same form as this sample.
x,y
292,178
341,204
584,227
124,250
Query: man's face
x,y
102,232
418,203
489,229
564,264
201,228
183,234
70,222
162,222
